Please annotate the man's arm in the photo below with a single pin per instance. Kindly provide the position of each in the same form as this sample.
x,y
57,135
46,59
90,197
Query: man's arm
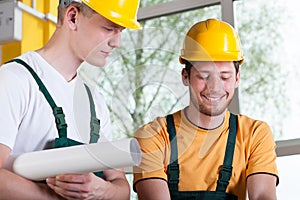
x,y
152,189
261,187
88,186
13,186
120,188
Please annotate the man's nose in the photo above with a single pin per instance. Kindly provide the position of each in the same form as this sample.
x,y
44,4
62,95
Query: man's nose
x,y
214,83
115,40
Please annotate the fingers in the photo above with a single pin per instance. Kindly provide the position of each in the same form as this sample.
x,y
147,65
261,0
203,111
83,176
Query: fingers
x,y
69,194
74,178
71,186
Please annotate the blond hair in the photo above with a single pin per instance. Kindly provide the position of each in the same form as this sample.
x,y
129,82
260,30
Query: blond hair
x,y
84,9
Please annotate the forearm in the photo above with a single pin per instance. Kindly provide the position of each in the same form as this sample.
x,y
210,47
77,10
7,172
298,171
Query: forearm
x,y
261,187
152,189
15,187
117,189
264,197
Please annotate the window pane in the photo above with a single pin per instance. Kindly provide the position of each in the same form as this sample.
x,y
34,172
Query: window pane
x,y
289,176
142,79
269,88
146,3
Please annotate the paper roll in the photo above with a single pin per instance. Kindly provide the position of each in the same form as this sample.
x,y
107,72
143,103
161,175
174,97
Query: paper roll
x,y
78,159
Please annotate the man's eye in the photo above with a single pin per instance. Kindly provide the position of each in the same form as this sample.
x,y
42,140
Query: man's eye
x,y
203,76
108,29
225,77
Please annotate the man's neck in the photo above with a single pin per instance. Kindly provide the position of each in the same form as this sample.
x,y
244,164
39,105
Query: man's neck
x,y
59,55
202,120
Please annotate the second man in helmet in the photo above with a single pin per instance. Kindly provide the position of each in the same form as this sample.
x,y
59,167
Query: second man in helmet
x,y
203,151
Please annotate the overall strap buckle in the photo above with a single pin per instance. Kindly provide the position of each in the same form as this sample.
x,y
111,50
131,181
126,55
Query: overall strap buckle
x,y
60,119
224,177
173,171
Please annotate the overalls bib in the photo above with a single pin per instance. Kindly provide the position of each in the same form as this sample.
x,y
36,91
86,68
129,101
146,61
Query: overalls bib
x,y
224,174
61,125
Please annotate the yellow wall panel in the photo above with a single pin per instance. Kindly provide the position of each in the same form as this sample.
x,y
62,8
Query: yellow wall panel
x,y
33,36
10,51
35,32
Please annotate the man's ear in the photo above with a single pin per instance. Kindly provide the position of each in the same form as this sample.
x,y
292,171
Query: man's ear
x,y
71,17
185,77
237,79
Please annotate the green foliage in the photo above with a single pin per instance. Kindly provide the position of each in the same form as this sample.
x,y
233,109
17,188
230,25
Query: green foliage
x,y
262,78
142,79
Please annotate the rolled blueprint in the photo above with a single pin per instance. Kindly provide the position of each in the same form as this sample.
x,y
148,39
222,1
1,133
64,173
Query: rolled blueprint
x,y
78,159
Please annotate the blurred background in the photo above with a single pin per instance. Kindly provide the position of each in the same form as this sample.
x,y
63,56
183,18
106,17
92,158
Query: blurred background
x,y
141,80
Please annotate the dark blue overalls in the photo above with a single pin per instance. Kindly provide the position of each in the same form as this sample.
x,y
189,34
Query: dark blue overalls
x,y
224,174
61,125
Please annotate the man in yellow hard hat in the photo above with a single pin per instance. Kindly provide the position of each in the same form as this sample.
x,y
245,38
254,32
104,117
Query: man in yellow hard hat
x,y
39,107
203,151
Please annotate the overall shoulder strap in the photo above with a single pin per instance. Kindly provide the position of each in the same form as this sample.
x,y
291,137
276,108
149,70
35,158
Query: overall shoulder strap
x,y
95,122
57,111
173,167
226,170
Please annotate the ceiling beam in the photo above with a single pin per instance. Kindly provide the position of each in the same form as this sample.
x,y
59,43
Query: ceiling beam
x,y
173,7
288,147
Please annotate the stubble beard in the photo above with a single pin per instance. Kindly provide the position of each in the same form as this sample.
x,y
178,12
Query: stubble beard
x,y
209,111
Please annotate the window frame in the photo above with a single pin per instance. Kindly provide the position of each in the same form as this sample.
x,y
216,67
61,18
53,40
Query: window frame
x,y
284,147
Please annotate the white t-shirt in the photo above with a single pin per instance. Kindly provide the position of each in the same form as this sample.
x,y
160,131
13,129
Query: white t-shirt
x,y
26,120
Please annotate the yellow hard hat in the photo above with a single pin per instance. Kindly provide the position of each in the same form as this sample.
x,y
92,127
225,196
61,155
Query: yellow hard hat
x,y
211,40
121,12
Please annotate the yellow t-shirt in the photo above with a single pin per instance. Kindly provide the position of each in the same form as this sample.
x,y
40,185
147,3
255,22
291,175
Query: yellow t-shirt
x,y
201,153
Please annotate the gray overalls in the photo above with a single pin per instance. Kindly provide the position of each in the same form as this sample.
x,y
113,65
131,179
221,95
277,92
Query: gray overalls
x,y
224,174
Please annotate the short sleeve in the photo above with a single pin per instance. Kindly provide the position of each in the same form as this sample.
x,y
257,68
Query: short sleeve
x,y
12,103
262,152
153,140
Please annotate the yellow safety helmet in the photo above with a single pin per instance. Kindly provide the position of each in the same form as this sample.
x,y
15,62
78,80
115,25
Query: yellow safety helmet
x,y
121,12
211,40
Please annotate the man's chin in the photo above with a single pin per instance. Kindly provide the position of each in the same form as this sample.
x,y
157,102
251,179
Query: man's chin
x,y
213,112
96,63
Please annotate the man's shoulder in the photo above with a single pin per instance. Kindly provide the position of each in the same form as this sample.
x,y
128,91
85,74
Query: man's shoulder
x,y
13,72
158,124
28,57
252,125
249,119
